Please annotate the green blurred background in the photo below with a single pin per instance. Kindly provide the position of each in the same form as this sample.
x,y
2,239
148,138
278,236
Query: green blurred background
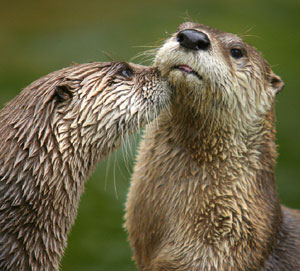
x,y
37,37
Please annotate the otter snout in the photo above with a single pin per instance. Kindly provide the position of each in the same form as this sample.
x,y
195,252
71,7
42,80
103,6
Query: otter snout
x,y
193,39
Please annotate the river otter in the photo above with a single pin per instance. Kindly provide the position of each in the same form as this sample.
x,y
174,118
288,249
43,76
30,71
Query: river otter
x,y
51,137
203,193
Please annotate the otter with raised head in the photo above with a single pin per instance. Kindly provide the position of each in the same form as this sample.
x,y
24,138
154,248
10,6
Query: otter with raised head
x,y
203,193
51,137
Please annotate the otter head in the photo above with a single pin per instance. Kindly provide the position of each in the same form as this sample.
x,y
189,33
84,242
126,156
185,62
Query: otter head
x,y
84,110
101,103
217,72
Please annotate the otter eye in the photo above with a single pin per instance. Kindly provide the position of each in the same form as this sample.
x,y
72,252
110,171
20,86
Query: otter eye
x,y
127,73
236,53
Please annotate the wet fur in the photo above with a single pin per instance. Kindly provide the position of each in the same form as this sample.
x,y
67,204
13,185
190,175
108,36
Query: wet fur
x,y
203,194
51,137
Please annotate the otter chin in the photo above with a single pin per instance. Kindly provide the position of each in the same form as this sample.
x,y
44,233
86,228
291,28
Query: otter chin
x,y
203,194
187,70
183,76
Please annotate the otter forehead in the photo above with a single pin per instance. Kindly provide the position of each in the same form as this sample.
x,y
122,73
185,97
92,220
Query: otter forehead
x,y
191,25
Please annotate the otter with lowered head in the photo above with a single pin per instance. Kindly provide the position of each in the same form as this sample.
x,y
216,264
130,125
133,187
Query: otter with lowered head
x,y
51,137
203,193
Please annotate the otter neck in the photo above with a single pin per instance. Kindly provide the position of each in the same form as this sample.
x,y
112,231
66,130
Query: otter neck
x,y
47,187
230,172
212,138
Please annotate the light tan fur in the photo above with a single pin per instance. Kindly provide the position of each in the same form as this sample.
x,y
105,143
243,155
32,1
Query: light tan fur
x,y
52,135
203,193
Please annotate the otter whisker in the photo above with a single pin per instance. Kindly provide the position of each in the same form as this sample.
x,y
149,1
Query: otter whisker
x,y
114,176
129,147
124,149
108,56
156,45
148,53
107,171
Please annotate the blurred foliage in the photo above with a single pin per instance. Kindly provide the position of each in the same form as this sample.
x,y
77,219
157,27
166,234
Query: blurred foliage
x,y
37,37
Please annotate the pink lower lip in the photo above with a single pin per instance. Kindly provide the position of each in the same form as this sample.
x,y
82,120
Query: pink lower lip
x,y
185,68
188,69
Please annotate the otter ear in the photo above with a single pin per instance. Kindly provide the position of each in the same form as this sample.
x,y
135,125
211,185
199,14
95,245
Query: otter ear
x,y
276,83
63,93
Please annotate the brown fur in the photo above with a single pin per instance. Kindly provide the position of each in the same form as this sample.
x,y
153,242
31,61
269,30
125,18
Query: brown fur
x,y
203,194
51,137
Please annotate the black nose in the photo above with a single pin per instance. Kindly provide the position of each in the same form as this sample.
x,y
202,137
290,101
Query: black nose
x,y
193,39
